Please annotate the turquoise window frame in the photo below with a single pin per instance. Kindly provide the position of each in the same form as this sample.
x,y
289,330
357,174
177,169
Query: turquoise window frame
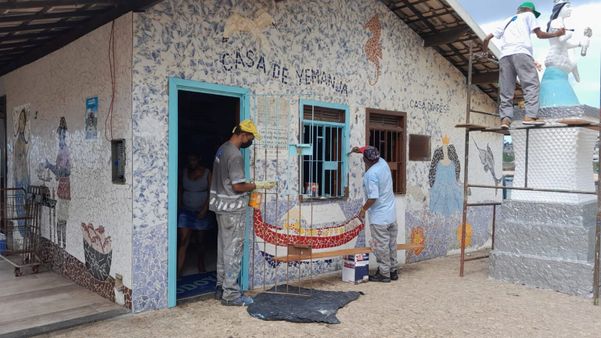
x,y
345,133
176,85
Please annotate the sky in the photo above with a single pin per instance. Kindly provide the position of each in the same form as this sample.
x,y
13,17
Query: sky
x,y
586,13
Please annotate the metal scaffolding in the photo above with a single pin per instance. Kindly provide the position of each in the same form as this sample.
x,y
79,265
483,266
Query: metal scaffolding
x,y
469,127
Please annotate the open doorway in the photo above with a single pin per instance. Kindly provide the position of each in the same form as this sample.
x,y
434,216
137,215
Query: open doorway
x,y
205,121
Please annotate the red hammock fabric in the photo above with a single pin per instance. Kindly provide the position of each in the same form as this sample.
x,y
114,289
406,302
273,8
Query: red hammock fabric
x,y
267,233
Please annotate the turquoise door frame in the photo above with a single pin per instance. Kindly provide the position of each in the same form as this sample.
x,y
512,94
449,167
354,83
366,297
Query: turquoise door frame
x,y
175,85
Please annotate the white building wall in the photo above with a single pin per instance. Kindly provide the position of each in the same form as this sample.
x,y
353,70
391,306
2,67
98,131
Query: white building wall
x,y
57,86
184,39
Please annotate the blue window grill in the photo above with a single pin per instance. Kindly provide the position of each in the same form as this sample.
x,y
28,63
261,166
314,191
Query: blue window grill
x,y
325,128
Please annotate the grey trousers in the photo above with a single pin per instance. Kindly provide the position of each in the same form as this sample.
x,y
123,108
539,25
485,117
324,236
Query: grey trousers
x,y
230,241
520,66
384,246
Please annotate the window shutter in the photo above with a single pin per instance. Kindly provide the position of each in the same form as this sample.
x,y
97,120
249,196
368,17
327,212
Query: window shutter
x,y
390,122
323,114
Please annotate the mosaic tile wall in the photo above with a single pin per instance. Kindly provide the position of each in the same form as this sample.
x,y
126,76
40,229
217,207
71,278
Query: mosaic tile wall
x,y
356,53
66,148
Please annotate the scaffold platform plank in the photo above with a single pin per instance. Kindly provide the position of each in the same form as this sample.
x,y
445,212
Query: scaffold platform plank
x,y
496,130
562,124
341,252
470,126
575,122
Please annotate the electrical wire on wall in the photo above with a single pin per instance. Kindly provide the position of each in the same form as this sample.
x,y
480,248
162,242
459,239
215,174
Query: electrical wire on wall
x,y
108,123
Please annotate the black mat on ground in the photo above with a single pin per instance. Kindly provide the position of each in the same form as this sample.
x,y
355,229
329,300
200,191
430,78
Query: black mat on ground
x,y
300,305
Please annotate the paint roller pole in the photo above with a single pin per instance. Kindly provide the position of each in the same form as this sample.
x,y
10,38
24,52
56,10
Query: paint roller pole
x,y
597,232
468,109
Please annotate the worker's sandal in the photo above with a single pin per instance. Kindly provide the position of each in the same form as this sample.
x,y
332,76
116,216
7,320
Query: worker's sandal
x,y
394,275
505,123
533,121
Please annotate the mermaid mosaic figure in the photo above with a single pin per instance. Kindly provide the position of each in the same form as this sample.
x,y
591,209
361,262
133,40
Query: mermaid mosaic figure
x,y
21,168
556,89
62,171
446,197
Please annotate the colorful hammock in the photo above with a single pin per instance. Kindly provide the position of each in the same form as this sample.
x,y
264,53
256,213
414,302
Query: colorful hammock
x,y
273,234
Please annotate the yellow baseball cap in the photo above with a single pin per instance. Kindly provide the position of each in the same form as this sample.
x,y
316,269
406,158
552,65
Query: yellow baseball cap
x,y
249,127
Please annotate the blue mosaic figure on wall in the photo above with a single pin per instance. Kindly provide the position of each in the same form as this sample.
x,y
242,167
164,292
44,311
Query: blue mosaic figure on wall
x,y
446,197
21,168
62,171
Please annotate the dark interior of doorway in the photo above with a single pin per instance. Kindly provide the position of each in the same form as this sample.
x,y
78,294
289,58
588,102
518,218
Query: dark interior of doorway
x,y
205,122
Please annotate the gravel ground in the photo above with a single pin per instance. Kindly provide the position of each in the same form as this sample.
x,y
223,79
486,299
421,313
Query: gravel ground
x,y
428,300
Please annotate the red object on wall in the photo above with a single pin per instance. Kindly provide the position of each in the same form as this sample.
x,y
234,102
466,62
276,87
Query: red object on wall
x,y
270,234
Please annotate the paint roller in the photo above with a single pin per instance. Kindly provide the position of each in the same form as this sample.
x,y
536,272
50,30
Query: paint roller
x,y
354,150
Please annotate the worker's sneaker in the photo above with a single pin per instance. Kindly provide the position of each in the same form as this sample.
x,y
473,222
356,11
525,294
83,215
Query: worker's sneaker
x,y
533,121
505,123
378,277
394,275
240,301
218,292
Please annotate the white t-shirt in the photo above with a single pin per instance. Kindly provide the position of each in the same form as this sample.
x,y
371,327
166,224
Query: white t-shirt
x,y
515,34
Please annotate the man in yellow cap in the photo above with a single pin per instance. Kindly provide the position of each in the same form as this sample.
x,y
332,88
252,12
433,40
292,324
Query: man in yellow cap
x,y
229,200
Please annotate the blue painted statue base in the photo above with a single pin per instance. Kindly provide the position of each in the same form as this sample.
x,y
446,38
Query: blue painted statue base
x,y
556,90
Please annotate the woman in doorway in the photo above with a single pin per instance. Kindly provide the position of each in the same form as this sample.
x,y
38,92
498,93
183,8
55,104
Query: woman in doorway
x,y
194,211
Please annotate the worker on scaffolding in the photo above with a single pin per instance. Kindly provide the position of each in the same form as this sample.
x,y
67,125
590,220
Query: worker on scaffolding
x,y
517,61
229,200
380,203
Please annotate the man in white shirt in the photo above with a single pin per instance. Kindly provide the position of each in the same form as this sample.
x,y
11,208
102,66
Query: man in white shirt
x,y
517,61
380,204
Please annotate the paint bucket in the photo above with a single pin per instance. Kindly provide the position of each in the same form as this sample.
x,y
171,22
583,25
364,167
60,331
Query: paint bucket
x,y
311,189
255,200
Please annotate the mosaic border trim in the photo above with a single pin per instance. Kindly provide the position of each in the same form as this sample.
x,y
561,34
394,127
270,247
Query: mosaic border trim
x,y
61,262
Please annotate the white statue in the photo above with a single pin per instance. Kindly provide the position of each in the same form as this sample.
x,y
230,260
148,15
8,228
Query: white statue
x,y
555,87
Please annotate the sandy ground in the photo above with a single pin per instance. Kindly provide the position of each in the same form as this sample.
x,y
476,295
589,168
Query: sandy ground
x,y
429,300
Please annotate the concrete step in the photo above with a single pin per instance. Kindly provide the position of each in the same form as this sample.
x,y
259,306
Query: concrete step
x,y
571,277
575,243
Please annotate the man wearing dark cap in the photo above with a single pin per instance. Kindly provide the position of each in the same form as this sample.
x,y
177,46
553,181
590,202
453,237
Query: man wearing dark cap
x,y
380,204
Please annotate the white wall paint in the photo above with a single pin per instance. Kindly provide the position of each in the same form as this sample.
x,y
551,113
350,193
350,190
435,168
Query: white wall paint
x,y
58,85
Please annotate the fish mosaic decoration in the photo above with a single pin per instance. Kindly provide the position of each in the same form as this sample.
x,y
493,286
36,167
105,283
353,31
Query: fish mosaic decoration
x,y
488,161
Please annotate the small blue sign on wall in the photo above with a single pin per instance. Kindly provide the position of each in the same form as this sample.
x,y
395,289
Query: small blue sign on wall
x,y
91,117
300,150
